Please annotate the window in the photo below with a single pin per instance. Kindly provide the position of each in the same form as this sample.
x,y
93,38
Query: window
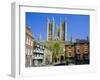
x,y
85,48
78,51
78,57
86,57
69,53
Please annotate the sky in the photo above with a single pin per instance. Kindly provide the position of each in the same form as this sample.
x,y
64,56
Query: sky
x,y
77,25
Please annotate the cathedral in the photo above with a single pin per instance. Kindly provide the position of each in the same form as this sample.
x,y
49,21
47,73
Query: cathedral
x,y
55,31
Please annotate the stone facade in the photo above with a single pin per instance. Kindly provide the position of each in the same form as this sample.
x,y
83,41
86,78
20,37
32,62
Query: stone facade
x,y
28,47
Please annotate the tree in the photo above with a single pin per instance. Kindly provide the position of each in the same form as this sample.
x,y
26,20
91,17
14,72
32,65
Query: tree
x,y
57,49
35,43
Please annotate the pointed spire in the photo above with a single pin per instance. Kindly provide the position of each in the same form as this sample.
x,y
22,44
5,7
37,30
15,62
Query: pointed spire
x,y
53,28
56,32
60,28
66,28
71,39
87,38
39,38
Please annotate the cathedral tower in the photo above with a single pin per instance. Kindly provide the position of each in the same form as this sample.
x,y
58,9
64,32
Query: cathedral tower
x,y
50,30
60,32
63,30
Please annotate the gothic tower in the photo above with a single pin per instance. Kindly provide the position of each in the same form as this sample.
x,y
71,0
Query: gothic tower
x,y
63,30
66,28
48,23
50,29
60,32
57,33
60,28
53,23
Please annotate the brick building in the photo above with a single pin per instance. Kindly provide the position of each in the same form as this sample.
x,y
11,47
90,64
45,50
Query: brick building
x,y
82,52
77,52
69,52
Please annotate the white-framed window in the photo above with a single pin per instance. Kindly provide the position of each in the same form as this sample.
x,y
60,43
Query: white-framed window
x,y
85,50
78,50
70,54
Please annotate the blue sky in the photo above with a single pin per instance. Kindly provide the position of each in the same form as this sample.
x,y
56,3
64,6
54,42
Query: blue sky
x,y
78,25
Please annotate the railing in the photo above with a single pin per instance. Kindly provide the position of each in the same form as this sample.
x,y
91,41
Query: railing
x,y
38,51
37,57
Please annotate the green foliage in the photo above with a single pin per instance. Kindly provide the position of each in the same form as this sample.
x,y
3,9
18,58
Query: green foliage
x,y
35,43
57,48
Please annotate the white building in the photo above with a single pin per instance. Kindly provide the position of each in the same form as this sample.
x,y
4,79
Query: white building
x,y
38,55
